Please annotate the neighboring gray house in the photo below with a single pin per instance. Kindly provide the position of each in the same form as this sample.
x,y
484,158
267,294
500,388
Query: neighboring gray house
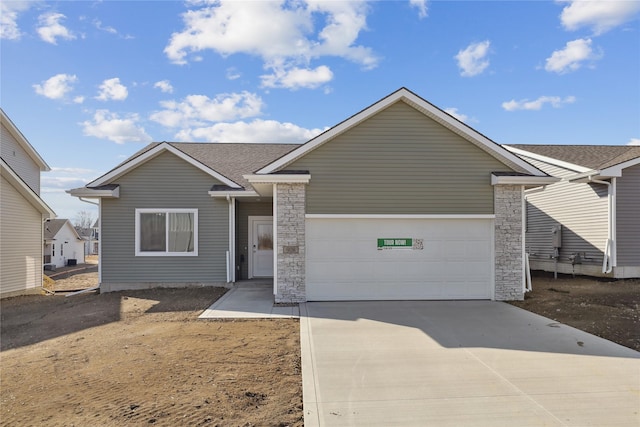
x,y
22,212
597,204
91,237
62,244
399,201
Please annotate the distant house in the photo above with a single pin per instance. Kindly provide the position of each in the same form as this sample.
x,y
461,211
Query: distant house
x,y
22,212
399,201
62,244
91,238
596,204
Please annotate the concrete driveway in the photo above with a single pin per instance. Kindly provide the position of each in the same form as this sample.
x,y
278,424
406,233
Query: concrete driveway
x,y
467,363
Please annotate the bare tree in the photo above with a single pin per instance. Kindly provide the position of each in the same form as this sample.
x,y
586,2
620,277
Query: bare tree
x,y
83,220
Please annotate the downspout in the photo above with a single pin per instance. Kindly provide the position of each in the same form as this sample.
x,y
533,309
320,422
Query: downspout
x,y
232,235
609,252
42,258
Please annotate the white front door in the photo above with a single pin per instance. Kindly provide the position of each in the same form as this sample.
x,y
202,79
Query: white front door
x,y
261,246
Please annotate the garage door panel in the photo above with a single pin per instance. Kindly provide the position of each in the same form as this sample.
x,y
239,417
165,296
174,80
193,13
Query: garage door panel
x,y
344,262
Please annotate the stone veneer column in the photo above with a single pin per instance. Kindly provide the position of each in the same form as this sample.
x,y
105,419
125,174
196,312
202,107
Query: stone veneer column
x,y
508,242
290,241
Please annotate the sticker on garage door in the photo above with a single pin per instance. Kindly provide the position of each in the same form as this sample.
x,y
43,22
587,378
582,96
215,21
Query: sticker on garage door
x,y
400,243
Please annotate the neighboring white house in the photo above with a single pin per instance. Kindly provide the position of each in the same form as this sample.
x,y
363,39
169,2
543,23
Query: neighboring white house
x,y
22,212
62,244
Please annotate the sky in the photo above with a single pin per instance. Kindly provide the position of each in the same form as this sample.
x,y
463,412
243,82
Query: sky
x,y
90,83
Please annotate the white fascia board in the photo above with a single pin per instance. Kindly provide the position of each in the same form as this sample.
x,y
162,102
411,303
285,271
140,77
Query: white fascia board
x,y
278,179
421,105
24,142
550,160
155,151
400,216
237,194
92,193
616,170
523,180
7,173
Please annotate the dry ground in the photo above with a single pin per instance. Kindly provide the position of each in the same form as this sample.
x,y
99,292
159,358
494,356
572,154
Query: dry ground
x,y
143,358
608,309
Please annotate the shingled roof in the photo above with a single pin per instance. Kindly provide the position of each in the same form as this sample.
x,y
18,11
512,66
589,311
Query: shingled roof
x,y
594,157
52,227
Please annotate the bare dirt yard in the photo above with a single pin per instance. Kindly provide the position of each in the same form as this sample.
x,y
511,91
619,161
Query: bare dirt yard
x,y
608,309
143,358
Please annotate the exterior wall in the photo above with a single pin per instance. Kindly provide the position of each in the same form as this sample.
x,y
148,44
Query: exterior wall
x,y
508,243
20,243
628,221
21,163
243,211
290,243
582,209
399,162
163,182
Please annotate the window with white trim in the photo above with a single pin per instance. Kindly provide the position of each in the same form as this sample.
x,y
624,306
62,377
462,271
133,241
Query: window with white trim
x,y
166,232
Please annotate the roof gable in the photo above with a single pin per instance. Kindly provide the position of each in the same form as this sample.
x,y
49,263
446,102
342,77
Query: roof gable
x,y
53,227
145,156
18,183
24,143
426,108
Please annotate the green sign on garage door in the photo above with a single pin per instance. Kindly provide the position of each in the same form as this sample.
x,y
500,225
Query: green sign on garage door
x,y
395,243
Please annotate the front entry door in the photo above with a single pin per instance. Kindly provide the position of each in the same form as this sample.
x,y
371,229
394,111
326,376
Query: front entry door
x,y
261,246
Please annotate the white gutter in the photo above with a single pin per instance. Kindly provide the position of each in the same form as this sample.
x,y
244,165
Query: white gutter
x,y
609,259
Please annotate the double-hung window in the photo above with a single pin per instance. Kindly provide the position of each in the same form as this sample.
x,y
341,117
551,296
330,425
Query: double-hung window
x,y
166,232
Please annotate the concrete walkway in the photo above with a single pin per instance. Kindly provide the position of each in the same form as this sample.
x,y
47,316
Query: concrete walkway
x,y
467,363
249,300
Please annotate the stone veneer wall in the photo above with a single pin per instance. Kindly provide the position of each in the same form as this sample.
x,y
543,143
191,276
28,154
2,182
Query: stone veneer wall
x,y
290,217
508,242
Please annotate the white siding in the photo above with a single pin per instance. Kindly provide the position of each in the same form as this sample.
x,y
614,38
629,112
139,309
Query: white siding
x,y
20,242
582,209
18,159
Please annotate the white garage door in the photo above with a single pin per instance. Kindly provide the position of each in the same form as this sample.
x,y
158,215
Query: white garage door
x,y
398,259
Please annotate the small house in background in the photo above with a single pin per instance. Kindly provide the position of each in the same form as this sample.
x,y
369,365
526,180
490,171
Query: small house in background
x,y
62,244
22,212
91,238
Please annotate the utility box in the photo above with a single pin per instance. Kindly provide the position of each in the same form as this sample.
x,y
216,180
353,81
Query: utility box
x,y
556,236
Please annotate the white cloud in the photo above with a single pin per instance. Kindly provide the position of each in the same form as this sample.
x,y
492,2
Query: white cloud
x,y
525,104
599,15
50,28
455,113
78,99
197,110
421,5
9,11
56,87
260,131
108,29
295,78
233,73
472,60
571,57
286,35
108,125
112,89
634,141
164,86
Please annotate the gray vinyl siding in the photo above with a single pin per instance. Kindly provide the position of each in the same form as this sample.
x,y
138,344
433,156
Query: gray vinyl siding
x,y
19,160
628,217
399,162
243,211
582,209
164,182
20,242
